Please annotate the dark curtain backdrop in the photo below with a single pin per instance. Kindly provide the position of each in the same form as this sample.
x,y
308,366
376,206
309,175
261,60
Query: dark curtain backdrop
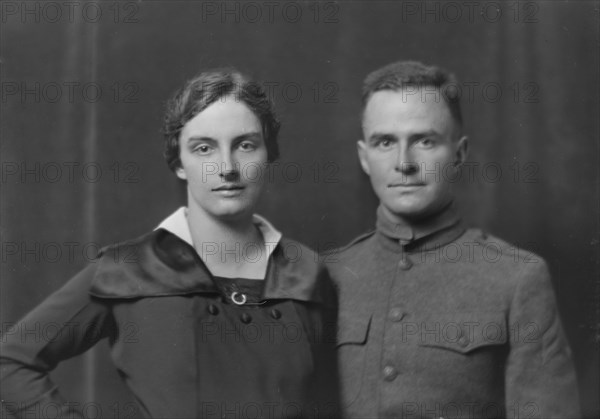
x,y
81,171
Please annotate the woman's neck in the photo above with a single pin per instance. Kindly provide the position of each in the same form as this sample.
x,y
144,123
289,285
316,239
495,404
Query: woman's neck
x,y
227,246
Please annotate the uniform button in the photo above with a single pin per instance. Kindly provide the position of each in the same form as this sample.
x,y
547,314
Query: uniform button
x,y
246,318
463,341
405,264
213,309
396,314
276,314
389,373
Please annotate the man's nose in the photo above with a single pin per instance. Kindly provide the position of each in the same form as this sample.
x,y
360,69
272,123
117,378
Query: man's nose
x,y
405,162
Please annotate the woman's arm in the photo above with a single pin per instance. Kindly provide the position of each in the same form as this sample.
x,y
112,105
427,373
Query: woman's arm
x,y
66,324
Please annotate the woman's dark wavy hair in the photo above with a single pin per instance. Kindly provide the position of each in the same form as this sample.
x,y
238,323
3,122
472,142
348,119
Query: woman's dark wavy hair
x,y
205,89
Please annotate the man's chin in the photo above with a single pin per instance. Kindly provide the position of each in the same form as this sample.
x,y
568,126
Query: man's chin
x,y
415,211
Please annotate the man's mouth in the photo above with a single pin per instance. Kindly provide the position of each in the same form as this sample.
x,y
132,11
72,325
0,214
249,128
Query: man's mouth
x,y
406,185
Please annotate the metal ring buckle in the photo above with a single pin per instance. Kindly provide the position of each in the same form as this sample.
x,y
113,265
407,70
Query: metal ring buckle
x,y
239,302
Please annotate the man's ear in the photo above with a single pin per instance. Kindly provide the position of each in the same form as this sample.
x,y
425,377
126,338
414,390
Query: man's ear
x,y
181,173
362,156
462,150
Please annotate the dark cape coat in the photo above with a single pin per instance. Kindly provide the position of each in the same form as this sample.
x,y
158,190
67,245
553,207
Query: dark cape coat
x,y
183,349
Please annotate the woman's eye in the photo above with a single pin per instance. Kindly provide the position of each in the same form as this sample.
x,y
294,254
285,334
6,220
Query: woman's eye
x,y
247,146
202,149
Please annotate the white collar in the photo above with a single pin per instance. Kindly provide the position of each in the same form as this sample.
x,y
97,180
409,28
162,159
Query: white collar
x,y
177,224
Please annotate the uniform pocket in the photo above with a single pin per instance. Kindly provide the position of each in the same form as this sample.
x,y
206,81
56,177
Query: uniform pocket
x,y
353,334
463,332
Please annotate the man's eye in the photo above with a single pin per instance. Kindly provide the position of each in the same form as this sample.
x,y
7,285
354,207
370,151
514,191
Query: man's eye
x,y
384,143
426,142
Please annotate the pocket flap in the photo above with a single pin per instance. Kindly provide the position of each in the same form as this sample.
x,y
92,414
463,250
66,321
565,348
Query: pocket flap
x,y
353,330
463,331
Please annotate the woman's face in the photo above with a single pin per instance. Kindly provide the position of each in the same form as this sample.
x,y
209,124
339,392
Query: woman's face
x,y
223,158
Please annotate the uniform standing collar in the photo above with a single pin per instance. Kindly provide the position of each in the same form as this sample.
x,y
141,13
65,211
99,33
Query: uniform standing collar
x,y
438,229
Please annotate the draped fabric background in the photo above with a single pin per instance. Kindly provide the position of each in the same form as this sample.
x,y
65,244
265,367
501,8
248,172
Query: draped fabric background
x,y
83,90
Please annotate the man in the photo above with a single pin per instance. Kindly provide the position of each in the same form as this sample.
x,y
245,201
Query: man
x,y
437,320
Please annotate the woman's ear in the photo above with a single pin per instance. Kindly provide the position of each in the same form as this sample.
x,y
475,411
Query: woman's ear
x,y
181,173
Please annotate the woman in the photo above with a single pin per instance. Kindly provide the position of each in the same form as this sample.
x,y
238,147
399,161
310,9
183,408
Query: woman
x,y
230,318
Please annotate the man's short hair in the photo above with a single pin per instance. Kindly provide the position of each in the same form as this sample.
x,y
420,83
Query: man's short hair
x,y
403,74
205,89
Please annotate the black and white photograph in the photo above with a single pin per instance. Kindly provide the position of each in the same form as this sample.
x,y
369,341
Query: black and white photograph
x,y
300,209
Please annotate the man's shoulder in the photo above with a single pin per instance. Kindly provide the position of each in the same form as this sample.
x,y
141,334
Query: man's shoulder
x,y
495,264
351,250
359,243
488,248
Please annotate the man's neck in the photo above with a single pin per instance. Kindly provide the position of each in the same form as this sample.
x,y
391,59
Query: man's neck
x,y
414,220
410,229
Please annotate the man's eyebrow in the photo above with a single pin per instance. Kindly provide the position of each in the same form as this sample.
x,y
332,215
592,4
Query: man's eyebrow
x,y
376,136
422,134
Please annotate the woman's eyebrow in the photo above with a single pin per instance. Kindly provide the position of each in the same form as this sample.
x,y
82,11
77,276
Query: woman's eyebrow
x,y
193,140
248,136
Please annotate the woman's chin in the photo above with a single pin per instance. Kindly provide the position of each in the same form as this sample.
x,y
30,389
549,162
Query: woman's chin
x,y
233,212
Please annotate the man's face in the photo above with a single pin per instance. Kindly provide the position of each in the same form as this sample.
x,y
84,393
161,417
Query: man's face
x,y
411,151
223,154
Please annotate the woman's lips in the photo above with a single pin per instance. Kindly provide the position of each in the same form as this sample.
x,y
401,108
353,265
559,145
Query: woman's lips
x,y
232,187
229,191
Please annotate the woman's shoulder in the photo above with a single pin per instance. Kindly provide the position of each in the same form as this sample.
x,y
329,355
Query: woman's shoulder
x,y
304,265
300,255
306,252
156,263
124,250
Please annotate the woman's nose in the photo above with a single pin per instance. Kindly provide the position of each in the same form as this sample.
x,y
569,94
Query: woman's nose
x,y
229,167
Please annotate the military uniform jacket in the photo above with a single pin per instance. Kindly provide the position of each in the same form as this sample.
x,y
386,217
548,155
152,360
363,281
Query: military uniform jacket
x,y
441,322
182,349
